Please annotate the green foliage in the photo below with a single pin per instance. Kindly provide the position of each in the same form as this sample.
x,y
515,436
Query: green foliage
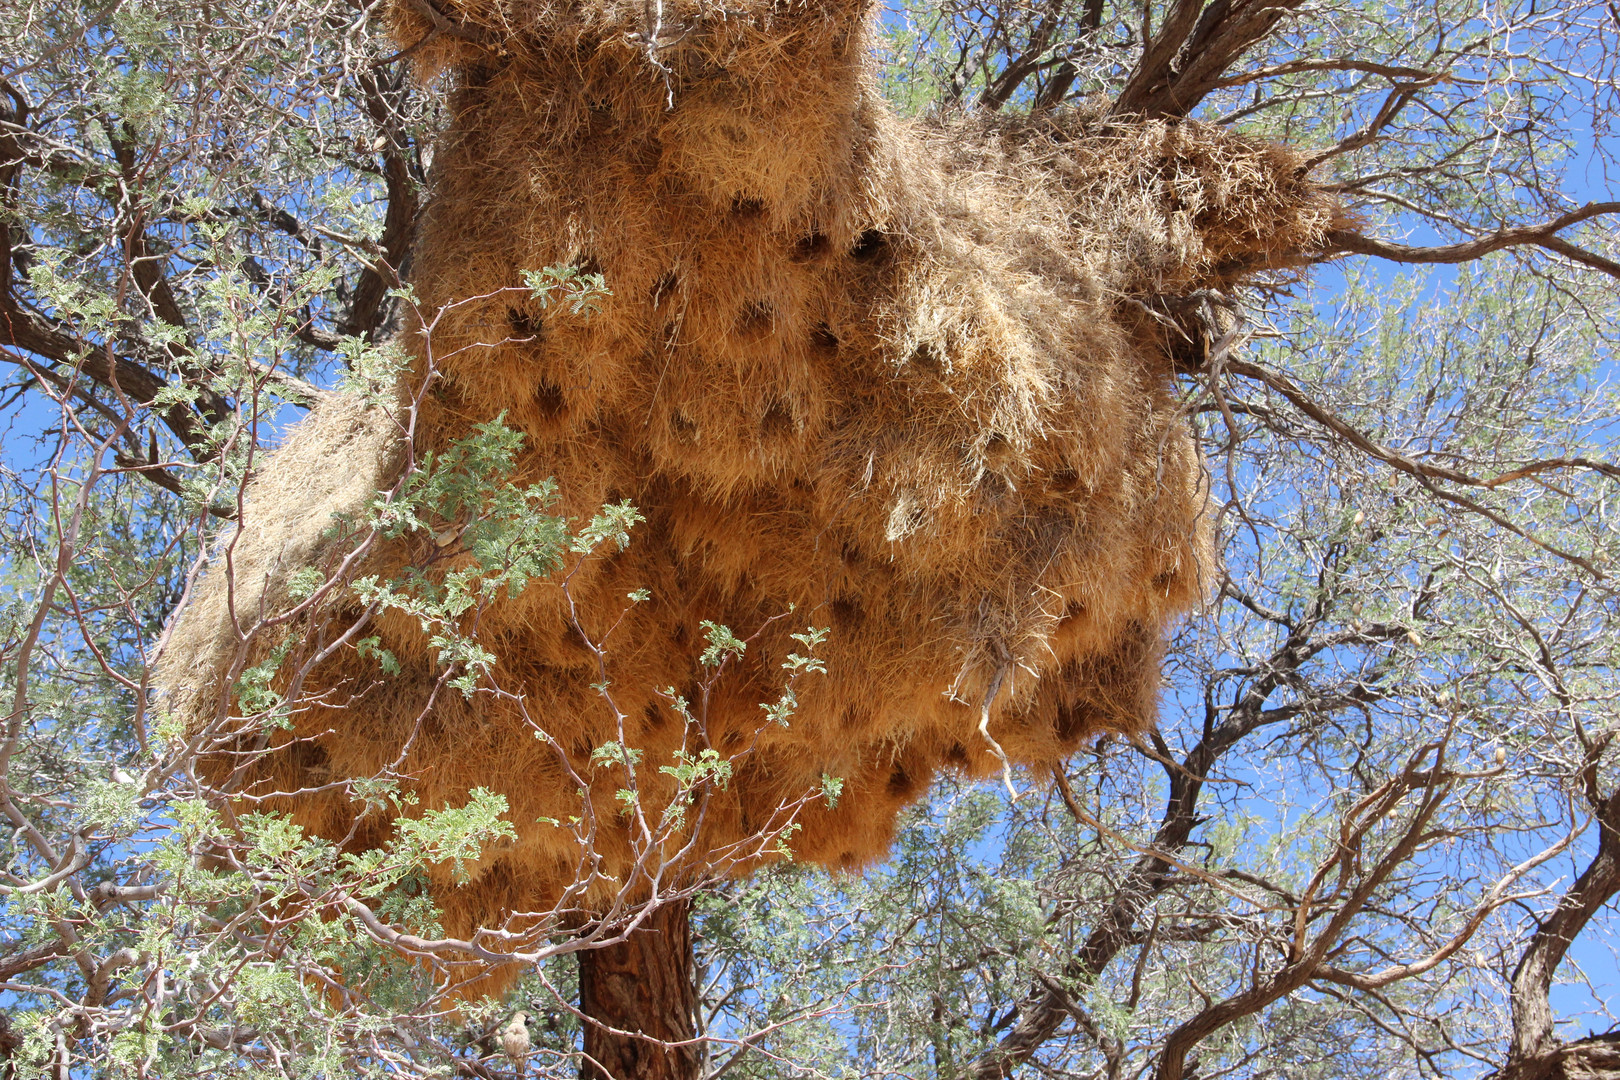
x,y
723,645
455,835
582,292
461,499
611,525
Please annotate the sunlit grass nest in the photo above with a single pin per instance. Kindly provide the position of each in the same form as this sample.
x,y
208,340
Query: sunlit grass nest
x,y
897,378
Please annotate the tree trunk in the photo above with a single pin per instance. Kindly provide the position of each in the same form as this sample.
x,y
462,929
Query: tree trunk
x,y
1536,1052
647,984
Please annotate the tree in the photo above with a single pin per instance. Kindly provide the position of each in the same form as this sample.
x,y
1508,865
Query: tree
x,y
1382,814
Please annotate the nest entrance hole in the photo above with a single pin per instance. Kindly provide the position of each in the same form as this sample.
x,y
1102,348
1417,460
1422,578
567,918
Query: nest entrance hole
x,y
811,247
549,401
870,246
778,422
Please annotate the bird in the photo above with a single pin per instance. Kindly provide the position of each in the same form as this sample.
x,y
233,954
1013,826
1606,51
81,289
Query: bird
x,y
515,1038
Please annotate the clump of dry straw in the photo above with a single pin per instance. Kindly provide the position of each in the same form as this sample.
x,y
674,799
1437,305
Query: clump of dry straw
x,y
894,377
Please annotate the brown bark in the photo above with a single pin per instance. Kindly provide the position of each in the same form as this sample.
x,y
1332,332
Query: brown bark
x,y
1536,1052
1192,52
646,984
367,316
1544,235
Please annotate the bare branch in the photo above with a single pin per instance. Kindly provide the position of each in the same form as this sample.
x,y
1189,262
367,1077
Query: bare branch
x,y
1343,241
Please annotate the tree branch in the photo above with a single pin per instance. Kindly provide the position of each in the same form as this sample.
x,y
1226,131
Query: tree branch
x,y
147,270
1425,473
1535,1052
1190,55
1346,242
366,314
1042,1010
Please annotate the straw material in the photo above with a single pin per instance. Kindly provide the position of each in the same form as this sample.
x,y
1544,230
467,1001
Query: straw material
x,y
896,378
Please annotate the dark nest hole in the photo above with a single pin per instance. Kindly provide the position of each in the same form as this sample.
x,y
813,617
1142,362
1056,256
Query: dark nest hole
x,y
870,246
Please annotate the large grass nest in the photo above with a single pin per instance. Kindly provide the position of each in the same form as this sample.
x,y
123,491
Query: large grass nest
x,y
898,378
